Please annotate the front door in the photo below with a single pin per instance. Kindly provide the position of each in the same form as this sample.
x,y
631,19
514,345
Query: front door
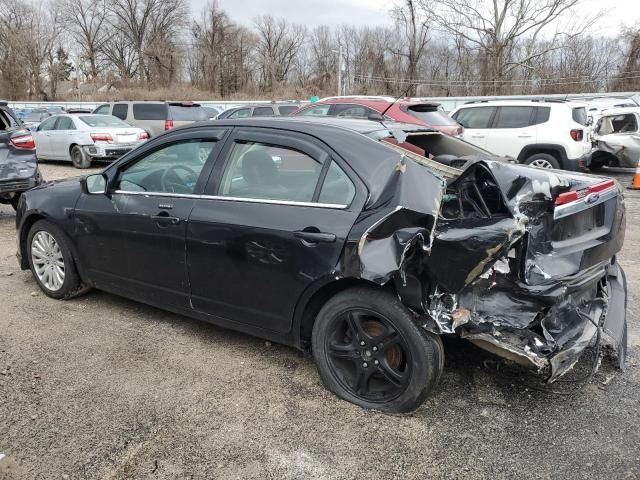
x,y
513,129
477,123
273,219
61,138
42,137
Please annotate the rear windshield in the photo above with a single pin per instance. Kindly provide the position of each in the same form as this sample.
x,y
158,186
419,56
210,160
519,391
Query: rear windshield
x,y
431,115
182,113
580,115
149,111
103,121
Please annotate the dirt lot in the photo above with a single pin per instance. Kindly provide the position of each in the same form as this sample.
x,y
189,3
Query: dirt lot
x,y
102,387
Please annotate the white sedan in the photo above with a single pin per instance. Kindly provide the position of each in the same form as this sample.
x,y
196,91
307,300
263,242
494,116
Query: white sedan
x,y
85,137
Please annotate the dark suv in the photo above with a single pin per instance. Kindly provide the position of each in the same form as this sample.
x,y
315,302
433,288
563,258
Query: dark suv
x,y
18,166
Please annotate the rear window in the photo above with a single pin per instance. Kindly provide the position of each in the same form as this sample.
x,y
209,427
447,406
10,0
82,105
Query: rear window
x,y
149,111
431,115
182,113
286,110
475,117
579,115
102,121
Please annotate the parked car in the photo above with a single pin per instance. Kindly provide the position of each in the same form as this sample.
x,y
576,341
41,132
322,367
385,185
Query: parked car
x,y
21,112
259,110
85,138
616,139
427,114
18,165
155,117
33,119
543,134
212,113
77,110
359,252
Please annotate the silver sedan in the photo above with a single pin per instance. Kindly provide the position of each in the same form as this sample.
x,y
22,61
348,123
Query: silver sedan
x,y
85,137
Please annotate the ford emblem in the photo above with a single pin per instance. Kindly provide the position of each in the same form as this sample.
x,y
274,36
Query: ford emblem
x,y
593,198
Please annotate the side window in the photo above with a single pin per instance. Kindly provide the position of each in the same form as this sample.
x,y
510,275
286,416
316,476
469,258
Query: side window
x,y
270,172
337,188
262,112
346,110
65,123
514,117
174,168
120,110
287,109
242,113
475,117
47,124
542,115
315,111
102,110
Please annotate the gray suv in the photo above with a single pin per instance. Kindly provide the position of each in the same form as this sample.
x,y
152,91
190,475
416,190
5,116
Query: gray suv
x,y
155,117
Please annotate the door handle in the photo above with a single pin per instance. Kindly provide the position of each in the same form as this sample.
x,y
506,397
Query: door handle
x,y
165,219
478,136
315,237
525,136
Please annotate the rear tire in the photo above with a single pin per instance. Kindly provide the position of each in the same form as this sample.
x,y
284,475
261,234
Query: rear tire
x,y
52,263
79,158
369,351
543,160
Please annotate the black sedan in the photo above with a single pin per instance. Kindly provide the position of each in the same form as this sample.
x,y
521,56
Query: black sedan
x,y
349,240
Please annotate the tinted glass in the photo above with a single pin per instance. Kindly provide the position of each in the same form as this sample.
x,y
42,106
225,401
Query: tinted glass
x,y
120,110
542,114
431,115
261,171
242,113
315,111
172,169
514,117
180,113
149,111
102,110
286,110
337,188
263,112
579,115
65,123
475,117
103,121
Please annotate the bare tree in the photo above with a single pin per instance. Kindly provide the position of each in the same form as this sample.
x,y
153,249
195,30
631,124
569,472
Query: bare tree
x,y
415,33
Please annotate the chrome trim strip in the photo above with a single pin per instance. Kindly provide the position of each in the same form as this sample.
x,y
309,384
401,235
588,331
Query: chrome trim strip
x,y
334,206
582,204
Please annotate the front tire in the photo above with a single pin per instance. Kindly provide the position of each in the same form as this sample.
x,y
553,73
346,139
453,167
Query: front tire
x,y
543,160
52,263
79,158
369,351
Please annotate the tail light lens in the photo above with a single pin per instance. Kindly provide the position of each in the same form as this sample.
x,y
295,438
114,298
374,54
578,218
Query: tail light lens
x,y
24,141
577,134
101,137
143,136
568,197
168,124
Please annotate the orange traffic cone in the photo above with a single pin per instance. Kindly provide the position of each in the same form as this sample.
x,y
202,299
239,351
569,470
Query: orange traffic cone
x,y
635,182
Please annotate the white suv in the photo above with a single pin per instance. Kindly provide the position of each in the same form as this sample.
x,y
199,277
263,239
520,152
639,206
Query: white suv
x,y
546,134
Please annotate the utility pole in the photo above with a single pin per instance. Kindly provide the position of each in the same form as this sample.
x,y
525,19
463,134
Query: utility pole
x,y
340,71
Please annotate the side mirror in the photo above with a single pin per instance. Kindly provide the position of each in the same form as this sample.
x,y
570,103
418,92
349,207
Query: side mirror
x,y
589,121
96,184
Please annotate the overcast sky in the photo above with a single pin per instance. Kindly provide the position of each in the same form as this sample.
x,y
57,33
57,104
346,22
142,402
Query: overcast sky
x,y
375,12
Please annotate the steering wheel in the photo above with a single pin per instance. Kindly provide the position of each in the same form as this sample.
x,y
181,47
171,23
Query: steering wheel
x,y
169,186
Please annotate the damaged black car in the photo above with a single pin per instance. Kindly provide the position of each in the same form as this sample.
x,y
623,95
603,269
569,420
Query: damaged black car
x,y
360,242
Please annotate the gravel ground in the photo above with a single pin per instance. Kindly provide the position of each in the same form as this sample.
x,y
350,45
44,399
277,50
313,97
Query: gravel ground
x,y
102,387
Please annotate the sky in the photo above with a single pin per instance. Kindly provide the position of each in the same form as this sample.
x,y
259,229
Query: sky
x,y
375,12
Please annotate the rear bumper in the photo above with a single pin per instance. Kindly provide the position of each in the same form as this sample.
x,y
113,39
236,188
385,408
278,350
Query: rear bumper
x,y
577,164
107,152
16,186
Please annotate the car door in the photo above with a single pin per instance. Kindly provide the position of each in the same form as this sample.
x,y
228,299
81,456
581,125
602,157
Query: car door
x,y
273,220
61,138
513,129
42,137
477,123
136,244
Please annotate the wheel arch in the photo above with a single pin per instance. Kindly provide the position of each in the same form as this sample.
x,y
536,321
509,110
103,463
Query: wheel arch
x,y
557,151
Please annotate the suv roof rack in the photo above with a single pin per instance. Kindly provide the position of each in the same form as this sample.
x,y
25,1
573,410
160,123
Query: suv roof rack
x,y
361,97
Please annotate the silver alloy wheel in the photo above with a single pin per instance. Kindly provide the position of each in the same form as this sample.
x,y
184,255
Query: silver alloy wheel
x,y
541,163
48,261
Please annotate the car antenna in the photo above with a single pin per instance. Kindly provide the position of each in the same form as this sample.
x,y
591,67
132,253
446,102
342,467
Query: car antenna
x,y
399,135
406,92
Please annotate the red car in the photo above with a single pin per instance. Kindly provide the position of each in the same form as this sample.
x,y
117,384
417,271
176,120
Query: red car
x,y
407,111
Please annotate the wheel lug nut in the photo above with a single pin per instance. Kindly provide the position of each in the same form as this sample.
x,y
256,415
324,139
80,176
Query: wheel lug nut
x,y
375,349
376,362
365,364
362,343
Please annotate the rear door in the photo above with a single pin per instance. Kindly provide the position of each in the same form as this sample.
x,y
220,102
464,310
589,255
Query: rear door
x,y
274,218
513,129
477,123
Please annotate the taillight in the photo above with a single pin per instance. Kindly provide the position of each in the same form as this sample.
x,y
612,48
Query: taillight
x,y
143,136
101,137
23,141
168,124
577,134
568,197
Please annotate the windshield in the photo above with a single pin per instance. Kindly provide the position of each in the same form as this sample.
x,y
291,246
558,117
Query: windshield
x,y
431,115
103,121
181,113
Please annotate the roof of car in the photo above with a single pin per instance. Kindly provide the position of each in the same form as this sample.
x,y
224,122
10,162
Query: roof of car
x,y
619,111
523,102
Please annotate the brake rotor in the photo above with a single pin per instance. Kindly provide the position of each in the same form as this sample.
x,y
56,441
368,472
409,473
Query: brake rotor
x,y
393,355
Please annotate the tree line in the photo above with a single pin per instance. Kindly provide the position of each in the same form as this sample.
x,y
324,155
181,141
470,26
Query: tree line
x,y
427,48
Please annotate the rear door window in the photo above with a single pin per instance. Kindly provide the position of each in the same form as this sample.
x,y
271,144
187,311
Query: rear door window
x,y
475,117
263,112
149,111
287,109
350,110
242,113
316,111
514,117
183,113
120,110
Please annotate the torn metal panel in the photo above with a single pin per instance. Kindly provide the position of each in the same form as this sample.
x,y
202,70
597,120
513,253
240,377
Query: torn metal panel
x,y
625,147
